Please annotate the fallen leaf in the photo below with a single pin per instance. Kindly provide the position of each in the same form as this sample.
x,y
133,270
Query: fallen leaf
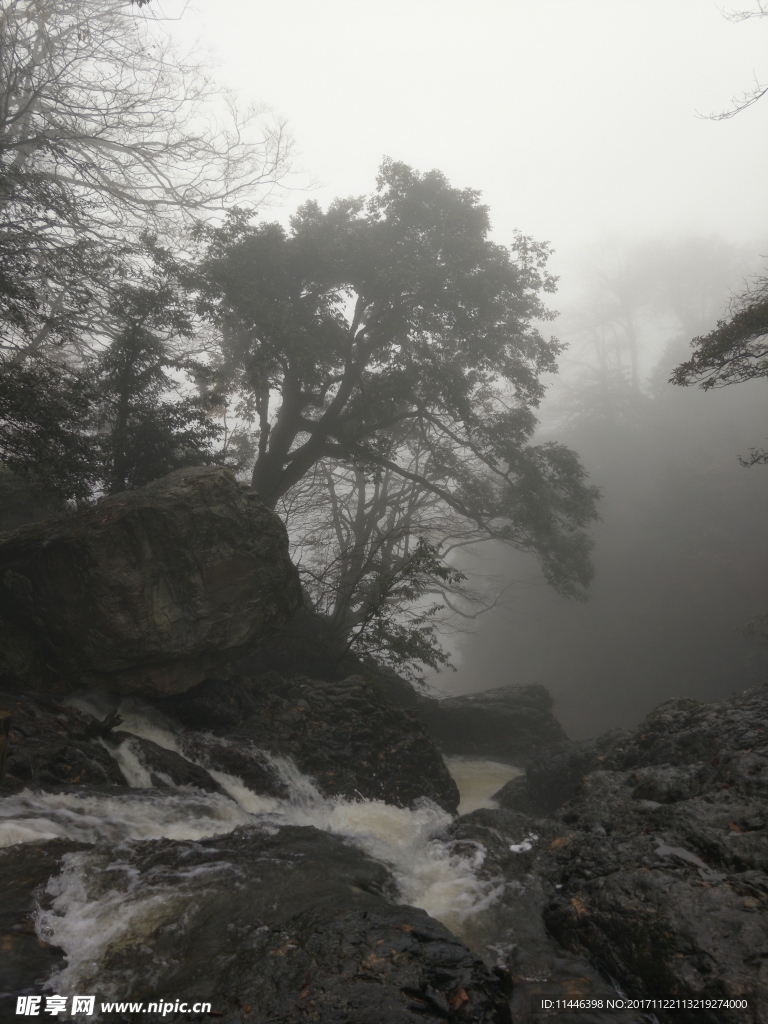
x,y
459,999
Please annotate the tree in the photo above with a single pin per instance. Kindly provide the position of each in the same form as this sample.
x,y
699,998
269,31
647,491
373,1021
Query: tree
x,y
44,437
399,310
734,352
758,90
373,550
104,133
146,428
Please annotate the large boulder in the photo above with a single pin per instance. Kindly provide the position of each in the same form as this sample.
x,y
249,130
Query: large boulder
x,y
147,591
510,723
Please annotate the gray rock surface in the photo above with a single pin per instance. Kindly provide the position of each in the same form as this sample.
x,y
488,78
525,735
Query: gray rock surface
x,y
513,929
147,591
661,873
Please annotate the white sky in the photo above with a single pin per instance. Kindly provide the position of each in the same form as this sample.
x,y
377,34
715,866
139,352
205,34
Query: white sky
x,y
575,118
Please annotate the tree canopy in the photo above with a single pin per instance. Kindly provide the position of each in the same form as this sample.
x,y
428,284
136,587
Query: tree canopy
x,y
398,310
735,351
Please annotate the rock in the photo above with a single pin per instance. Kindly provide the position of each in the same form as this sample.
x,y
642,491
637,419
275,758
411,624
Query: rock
x,y
289,926
346,735
507,846
166,769
510,723
661,876
5,728
240,758
147,591
550,779
52,744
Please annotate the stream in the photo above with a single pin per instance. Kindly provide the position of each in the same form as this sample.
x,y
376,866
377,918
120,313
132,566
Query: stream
x,y
90,922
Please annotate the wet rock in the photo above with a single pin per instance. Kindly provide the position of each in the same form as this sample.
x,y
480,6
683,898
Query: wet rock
x,y
510,723
508,847
51,744
146,591
166,769
282,928
550,780
661,876
346,735
240,758
5,728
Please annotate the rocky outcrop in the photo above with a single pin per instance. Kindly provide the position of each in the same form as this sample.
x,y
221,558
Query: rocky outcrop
x,y
147,591
51,745
346,735
165,769
510,723
659,868
513,929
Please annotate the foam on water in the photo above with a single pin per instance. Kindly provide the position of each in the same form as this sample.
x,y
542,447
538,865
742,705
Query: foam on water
x,y
108,818
428,870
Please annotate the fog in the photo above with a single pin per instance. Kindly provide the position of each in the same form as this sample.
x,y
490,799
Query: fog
x,y
584,125
681,553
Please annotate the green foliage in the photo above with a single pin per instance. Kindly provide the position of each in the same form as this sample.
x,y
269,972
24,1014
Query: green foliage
x,y
736,351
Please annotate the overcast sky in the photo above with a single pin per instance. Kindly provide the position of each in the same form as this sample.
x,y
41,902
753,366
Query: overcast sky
x,y
575,118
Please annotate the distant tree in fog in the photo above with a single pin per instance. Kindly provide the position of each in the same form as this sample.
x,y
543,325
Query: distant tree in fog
x,y
104,132
110,146
634,298
398,311
144,427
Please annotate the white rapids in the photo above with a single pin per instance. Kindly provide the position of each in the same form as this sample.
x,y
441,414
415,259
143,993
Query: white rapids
x,y
429,871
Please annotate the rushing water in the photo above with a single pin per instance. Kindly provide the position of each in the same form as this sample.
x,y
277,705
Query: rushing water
x,y
428,870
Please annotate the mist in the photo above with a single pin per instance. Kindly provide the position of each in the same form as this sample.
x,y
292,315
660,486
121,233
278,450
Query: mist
x,y
586,125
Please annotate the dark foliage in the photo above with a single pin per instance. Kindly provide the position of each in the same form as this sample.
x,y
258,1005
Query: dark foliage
x,y
44,410
398,309
147,429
